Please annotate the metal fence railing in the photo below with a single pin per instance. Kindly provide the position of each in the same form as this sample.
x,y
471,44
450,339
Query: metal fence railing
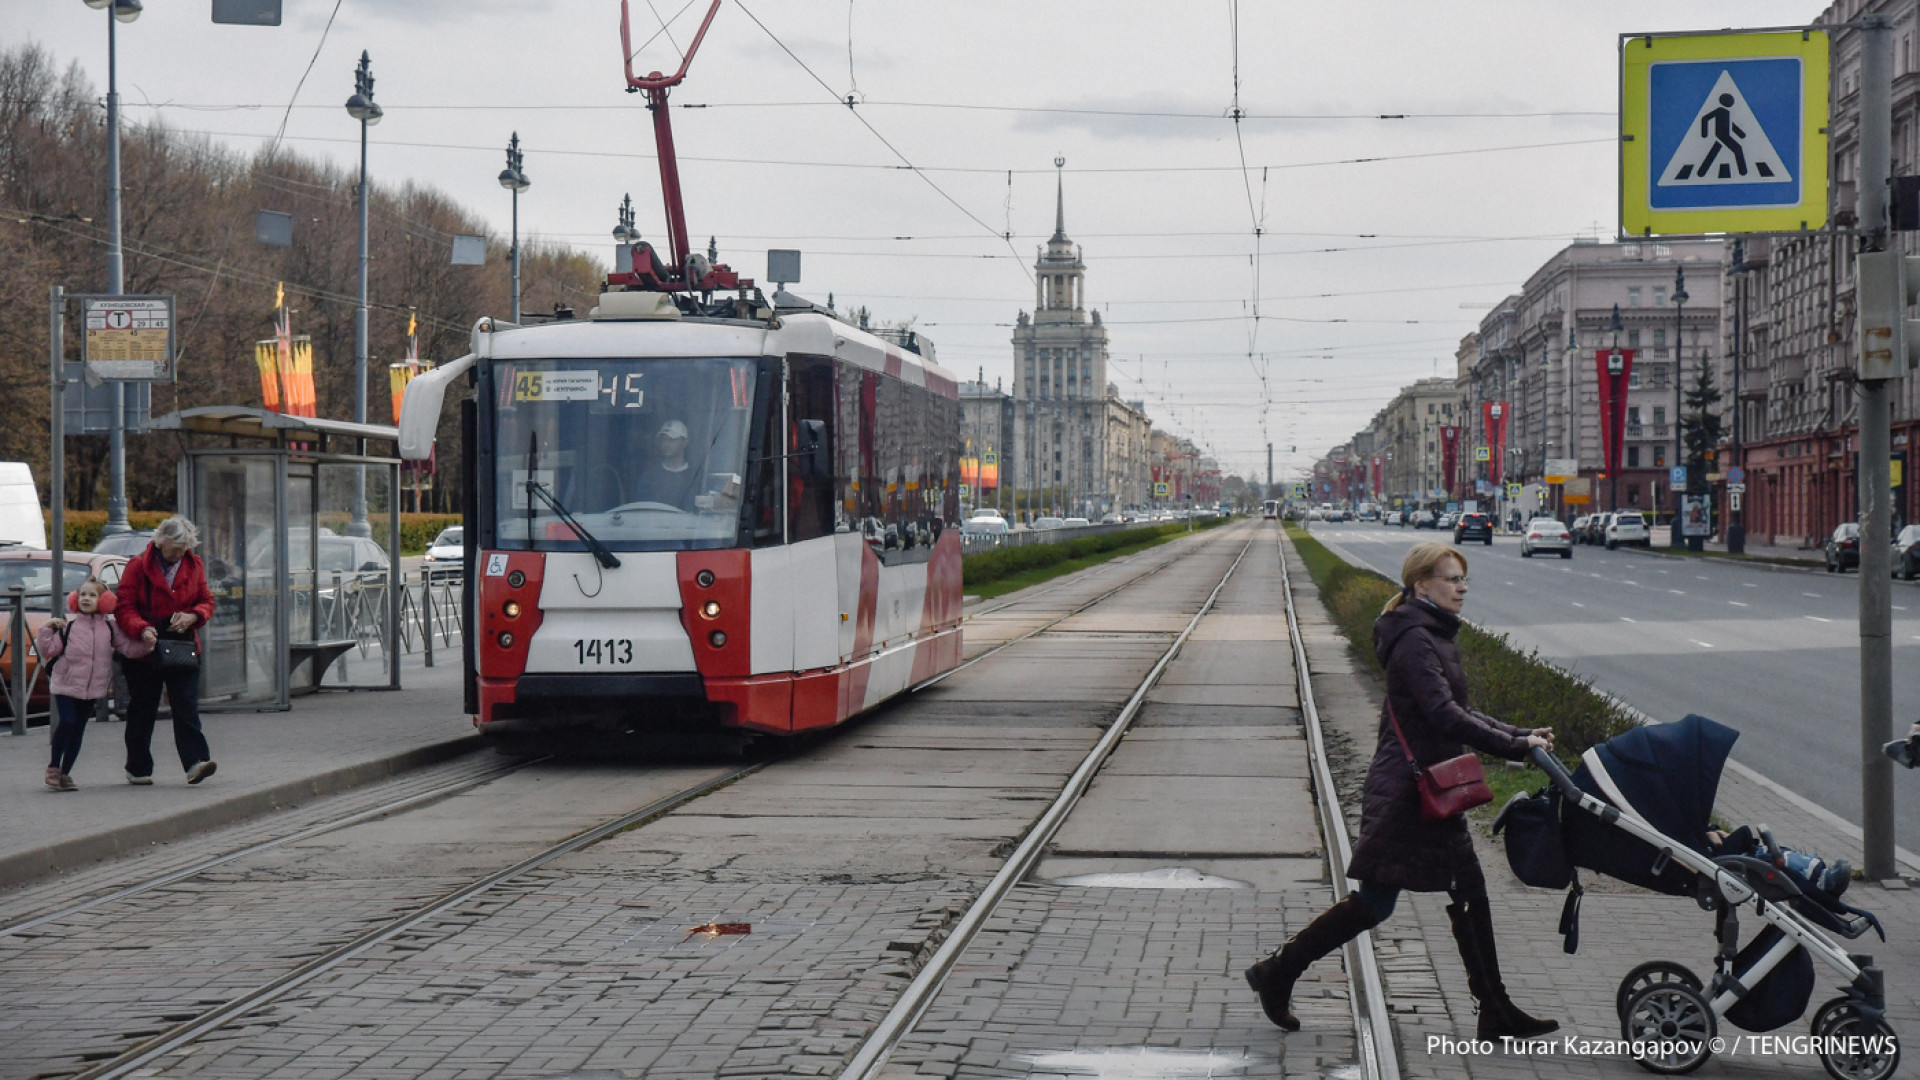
x,y
19,684
978,542
353,607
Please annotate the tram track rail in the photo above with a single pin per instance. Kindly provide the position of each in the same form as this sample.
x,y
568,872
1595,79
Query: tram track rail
x,y
195,869
899,1022
139,1057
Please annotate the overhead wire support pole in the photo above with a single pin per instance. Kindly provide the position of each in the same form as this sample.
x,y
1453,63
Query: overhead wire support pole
x,y
116,285
1874,482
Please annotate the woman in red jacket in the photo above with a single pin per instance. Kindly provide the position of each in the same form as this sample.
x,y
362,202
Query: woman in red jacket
x,y
163,596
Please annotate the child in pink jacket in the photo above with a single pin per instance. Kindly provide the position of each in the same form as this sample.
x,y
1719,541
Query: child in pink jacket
x,y
84,646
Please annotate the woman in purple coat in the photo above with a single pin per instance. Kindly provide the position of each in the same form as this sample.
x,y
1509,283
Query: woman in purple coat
x,y
1399,848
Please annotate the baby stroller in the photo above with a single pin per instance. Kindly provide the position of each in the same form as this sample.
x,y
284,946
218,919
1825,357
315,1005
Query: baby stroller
x,y
1638,809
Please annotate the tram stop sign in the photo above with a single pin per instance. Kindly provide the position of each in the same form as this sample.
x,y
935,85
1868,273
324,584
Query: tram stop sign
x,y
1723,132
127,337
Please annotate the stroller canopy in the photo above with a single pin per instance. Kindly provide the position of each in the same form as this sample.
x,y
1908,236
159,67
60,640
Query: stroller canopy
x,y
1668,773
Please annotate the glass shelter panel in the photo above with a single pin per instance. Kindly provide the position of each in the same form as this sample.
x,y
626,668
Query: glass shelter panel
x,y
235,507
352,598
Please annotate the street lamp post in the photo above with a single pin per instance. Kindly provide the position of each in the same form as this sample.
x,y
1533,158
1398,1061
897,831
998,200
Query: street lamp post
x,y
124,11
361,107
514,180
1679,447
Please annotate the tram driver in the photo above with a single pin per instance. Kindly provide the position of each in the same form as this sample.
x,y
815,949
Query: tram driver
x,y
672,480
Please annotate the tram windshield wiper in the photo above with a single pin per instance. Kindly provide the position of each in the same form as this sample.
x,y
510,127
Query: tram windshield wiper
x,y
534,487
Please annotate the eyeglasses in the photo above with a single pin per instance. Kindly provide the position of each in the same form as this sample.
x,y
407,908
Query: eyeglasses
x,y
1452,579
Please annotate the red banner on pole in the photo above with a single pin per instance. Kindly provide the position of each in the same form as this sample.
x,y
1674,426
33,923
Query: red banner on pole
x,y
1613,404
1449,451
1495,415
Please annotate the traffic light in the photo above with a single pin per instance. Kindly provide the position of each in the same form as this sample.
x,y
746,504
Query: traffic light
x,y
1888,283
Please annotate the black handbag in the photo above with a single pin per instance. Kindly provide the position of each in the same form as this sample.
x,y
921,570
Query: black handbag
x,y
176,657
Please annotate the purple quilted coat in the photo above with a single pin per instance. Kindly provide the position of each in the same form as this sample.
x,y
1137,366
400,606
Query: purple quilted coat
x,y
1427,689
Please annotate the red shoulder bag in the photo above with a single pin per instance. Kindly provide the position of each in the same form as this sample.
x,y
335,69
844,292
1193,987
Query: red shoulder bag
x,y
1452,787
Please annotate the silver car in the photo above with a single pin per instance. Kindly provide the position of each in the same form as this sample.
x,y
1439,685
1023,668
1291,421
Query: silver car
x,y
1545,534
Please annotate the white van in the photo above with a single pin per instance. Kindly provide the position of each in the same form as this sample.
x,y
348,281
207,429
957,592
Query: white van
x,y
21,520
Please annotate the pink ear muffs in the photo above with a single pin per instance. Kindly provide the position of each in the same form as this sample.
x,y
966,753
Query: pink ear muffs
x,y
105,606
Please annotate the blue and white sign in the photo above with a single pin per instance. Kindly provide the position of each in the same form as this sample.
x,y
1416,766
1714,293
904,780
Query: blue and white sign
x,y
1711,141
1736,475
1679,475
1723,132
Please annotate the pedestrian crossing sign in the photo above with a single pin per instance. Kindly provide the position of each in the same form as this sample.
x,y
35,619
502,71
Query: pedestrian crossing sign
x,y
1723,132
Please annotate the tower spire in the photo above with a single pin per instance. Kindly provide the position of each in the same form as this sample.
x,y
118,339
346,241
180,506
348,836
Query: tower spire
x,y
1059,201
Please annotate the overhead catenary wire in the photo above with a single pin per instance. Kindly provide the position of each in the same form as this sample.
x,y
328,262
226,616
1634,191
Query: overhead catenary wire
x,y
321,44
905,162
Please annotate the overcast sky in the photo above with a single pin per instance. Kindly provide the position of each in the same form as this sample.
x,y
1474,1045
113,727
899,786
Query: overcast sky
x,y
1367,274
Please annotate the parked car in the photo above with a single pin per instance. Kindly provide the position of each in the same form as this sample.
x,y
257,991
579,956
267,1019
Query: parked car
x,y
1473,527
1627,527
1424,519
128,544
1447,520
1042,524
1546,534
1393,517
983,529
32,571
1076,523
1578,530
1906,552
1843,548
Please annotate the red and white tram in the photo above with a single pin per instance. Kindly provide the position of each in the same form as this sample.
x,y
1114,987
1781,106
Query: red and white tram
x,y
697,503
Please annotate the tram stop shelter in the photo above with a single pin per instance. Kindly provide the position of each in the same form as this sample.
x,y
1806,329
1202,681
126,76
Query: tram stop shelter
x,y
303,600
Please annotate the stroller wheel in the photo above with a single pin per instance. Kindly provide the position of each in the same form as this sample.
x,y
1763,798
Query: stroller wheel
x,y
1650,974
1677,1025
1876,1049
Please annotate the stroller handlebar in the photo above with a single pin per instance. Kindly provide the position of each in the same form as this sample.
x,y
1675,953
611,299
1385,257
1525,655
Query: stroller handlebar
x,y
1555,772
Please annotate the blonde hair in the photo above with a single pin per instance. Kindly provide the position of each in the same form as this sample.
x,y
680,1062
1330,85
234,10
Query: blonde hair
x,y
1423,562
98,585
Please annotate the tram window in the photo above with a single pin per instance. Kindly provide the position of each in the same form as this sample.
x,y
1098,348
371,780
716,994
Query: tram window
x,y
810,498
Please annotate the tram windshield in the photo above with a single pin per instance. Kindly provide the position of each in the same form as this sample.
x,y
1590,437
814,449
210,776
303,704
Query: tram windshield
x,y
645,454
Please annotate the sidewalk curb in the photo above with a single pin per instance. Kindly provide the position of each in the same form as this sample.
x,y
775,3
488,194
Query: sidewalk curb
x,y
21,867
1910,862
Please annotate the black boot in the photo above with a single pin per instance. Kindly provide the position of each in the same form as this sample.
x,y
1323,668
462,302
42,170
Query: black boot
x,y
1473,932
1273,978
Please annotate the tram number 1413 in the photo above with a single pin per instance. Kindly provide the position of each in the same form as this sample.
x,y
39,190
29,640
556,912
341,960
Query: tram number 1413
x,y
603,651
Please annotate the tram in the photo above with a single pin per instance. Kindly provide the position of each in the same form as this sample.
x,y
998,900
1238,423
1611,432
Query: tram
x,y
697,503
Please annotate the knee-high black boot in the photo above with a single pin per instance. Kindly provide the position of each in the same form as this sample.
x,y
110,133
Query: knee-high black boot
x,y
1473,931
1273,978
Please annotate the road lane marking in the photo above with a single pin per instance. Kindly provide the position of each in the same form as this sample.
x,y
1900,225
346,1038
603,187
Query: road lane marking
x,y
1815,595
1624,581
1750,584
1700,577
1623,618
1816,618
1736,603
1702,644
1577,603
1676,592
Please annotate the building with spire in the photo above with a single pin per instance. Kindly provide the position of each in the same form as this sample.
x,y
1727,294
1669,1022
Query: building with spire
x,y
1067,421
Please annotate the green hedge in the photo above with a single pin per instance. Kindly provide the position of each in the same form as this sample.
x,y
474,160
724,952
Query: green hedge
x,y
83,526
1517,687
991,566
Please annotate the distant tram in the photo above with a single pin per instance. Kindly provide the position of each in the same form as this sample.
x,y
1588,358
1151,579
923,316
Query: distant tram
x,y
696,504
1270,510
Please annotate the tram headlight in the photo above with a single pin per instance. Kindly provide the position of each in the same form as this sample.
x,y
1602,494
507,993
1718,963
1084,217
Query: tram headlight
x,y
717,638
710,609
505,639
511,609
705,578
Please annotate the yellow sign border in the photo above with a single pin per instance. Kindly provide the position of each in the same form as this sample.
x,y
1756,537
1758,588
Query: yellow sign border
x,y
1638,52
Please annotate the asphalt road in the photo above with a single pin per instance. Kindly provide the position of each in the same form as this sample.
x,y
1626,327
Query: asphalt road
x,y
1773,653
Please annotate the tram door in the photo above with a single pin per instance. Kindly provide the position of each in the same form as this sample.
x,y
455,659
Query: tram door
x,y
811,516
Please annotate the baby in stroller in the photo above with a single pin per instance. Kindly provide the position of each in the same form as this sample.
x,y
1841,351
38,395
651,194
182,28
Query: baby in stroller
x,y
1639,809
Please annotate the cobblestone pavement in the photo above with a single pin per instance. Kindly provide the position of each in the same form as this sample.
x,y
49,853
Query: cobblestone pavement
x,y
847,864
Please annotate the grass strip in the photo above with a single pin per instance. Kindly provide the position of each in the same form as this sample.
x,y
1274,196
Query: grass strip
x,y
1004,570
1517,687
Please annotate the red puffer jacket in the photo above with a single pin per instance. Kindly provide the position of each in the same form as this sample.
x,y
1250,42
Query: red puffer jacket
x,y
146,599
